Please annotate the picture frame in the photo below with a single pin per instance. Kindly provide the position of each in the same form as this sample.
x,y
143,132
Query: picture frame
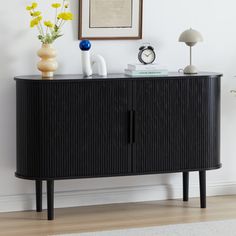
x,y
110,19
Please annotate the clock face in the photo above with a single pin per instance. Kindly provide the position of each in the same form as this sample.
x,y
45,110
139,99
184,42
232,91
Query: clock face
x,y
148,56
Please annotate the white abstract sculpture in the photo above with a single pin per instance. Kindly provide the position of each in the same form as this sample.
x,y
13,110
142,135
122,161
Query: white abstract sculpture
x,y
88,62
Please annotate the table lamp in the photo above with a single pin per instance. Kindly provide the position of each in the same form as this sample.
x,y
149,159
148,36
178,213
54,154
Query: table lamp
x,y
190,37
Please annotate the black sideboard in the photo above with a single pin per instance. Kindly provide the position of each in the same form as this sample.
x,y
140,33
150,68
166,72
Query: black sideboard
x,y
73,127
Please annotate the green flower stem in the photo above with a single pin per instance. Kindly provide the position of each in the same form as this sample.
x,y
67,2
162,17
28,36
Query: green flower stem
x,y
63,4
63,23
60,25
56,17
40,24
40,28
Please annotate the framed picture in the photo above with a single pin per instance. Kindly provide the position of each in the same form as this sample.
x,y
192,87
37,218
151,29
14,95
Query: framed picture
x,y
110,19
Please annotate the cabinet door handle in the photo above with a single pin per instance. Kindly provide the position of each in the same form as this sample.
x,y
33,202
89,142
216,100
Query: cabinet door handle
x,y
130,127
134,126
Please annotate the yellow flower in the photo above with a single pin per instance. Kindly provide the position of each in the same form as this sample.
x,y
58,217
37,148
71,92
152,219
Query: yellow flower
x,y
56,5
48,24
34,22
29,8
65,16
67,5
36,13
39,18
34,5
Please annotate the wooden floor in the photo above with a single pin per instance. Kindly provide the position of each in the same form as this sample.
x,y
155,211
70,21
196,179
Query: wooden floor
x,y
117,216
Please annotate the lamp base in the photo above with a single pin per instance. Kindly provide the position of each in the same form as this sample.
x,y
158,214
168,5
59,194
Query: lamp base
x,y
190,70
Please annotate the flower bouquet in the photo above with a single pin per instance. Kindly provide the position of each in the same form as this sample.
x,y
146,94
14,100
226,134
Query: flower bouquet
x,y
49,31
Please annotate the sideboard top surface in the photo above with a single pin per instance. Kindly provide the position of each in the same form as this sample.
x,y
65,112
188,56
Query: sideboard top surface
x,y
171,75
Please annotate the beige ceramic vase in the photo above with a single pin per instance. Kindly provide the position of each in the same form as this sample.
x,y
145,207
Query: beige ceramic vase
x,y
48,63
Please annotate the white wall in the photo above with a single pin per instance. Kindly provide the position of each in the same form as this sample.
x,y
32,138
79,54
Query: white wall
x,y
164,20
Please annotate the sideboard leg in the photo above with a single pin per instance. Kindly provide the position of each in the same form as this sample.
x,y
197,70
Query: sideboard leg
x,y
50,199
185,186
38,188
202,180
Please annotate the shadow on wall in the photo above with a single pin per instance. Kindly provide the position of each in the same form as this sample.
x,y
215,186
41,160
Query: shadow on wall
x,y
8,41
74,7
163,183
165,179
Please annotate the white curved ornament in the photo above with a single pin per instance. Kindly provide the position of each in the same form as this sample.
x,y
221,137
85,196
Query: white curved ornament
x,y
101,64
88,62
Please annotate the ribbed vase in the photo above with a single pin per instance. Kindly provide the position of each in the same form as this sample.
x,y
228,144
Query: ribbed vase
x,y
48,64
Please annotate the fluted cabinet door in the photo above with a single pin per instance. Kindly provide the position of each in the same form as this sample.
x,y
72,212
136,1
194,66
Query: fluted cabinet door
x,y
73,129
177,124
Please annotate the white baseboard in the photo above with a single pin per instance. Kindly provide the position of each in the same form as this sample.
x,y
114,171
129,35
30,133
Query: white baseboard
x,y
112,195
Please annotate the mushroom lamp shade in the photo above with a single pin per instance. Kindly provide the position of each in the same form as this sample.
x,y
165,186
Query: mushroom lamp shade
x,y
190,37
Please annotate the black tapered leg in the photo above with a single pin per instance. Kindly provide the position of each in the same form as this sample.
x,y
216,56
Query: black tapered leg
x,y
202,180
38,188
50,199
185,186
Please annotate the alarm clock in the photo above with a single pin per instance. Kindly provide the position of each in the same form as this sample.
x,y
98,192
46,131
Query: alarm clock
x,y
146,55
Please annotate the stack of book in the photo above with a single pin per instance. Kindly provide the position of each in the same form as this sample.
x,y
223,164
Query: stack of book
x,y
145,70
